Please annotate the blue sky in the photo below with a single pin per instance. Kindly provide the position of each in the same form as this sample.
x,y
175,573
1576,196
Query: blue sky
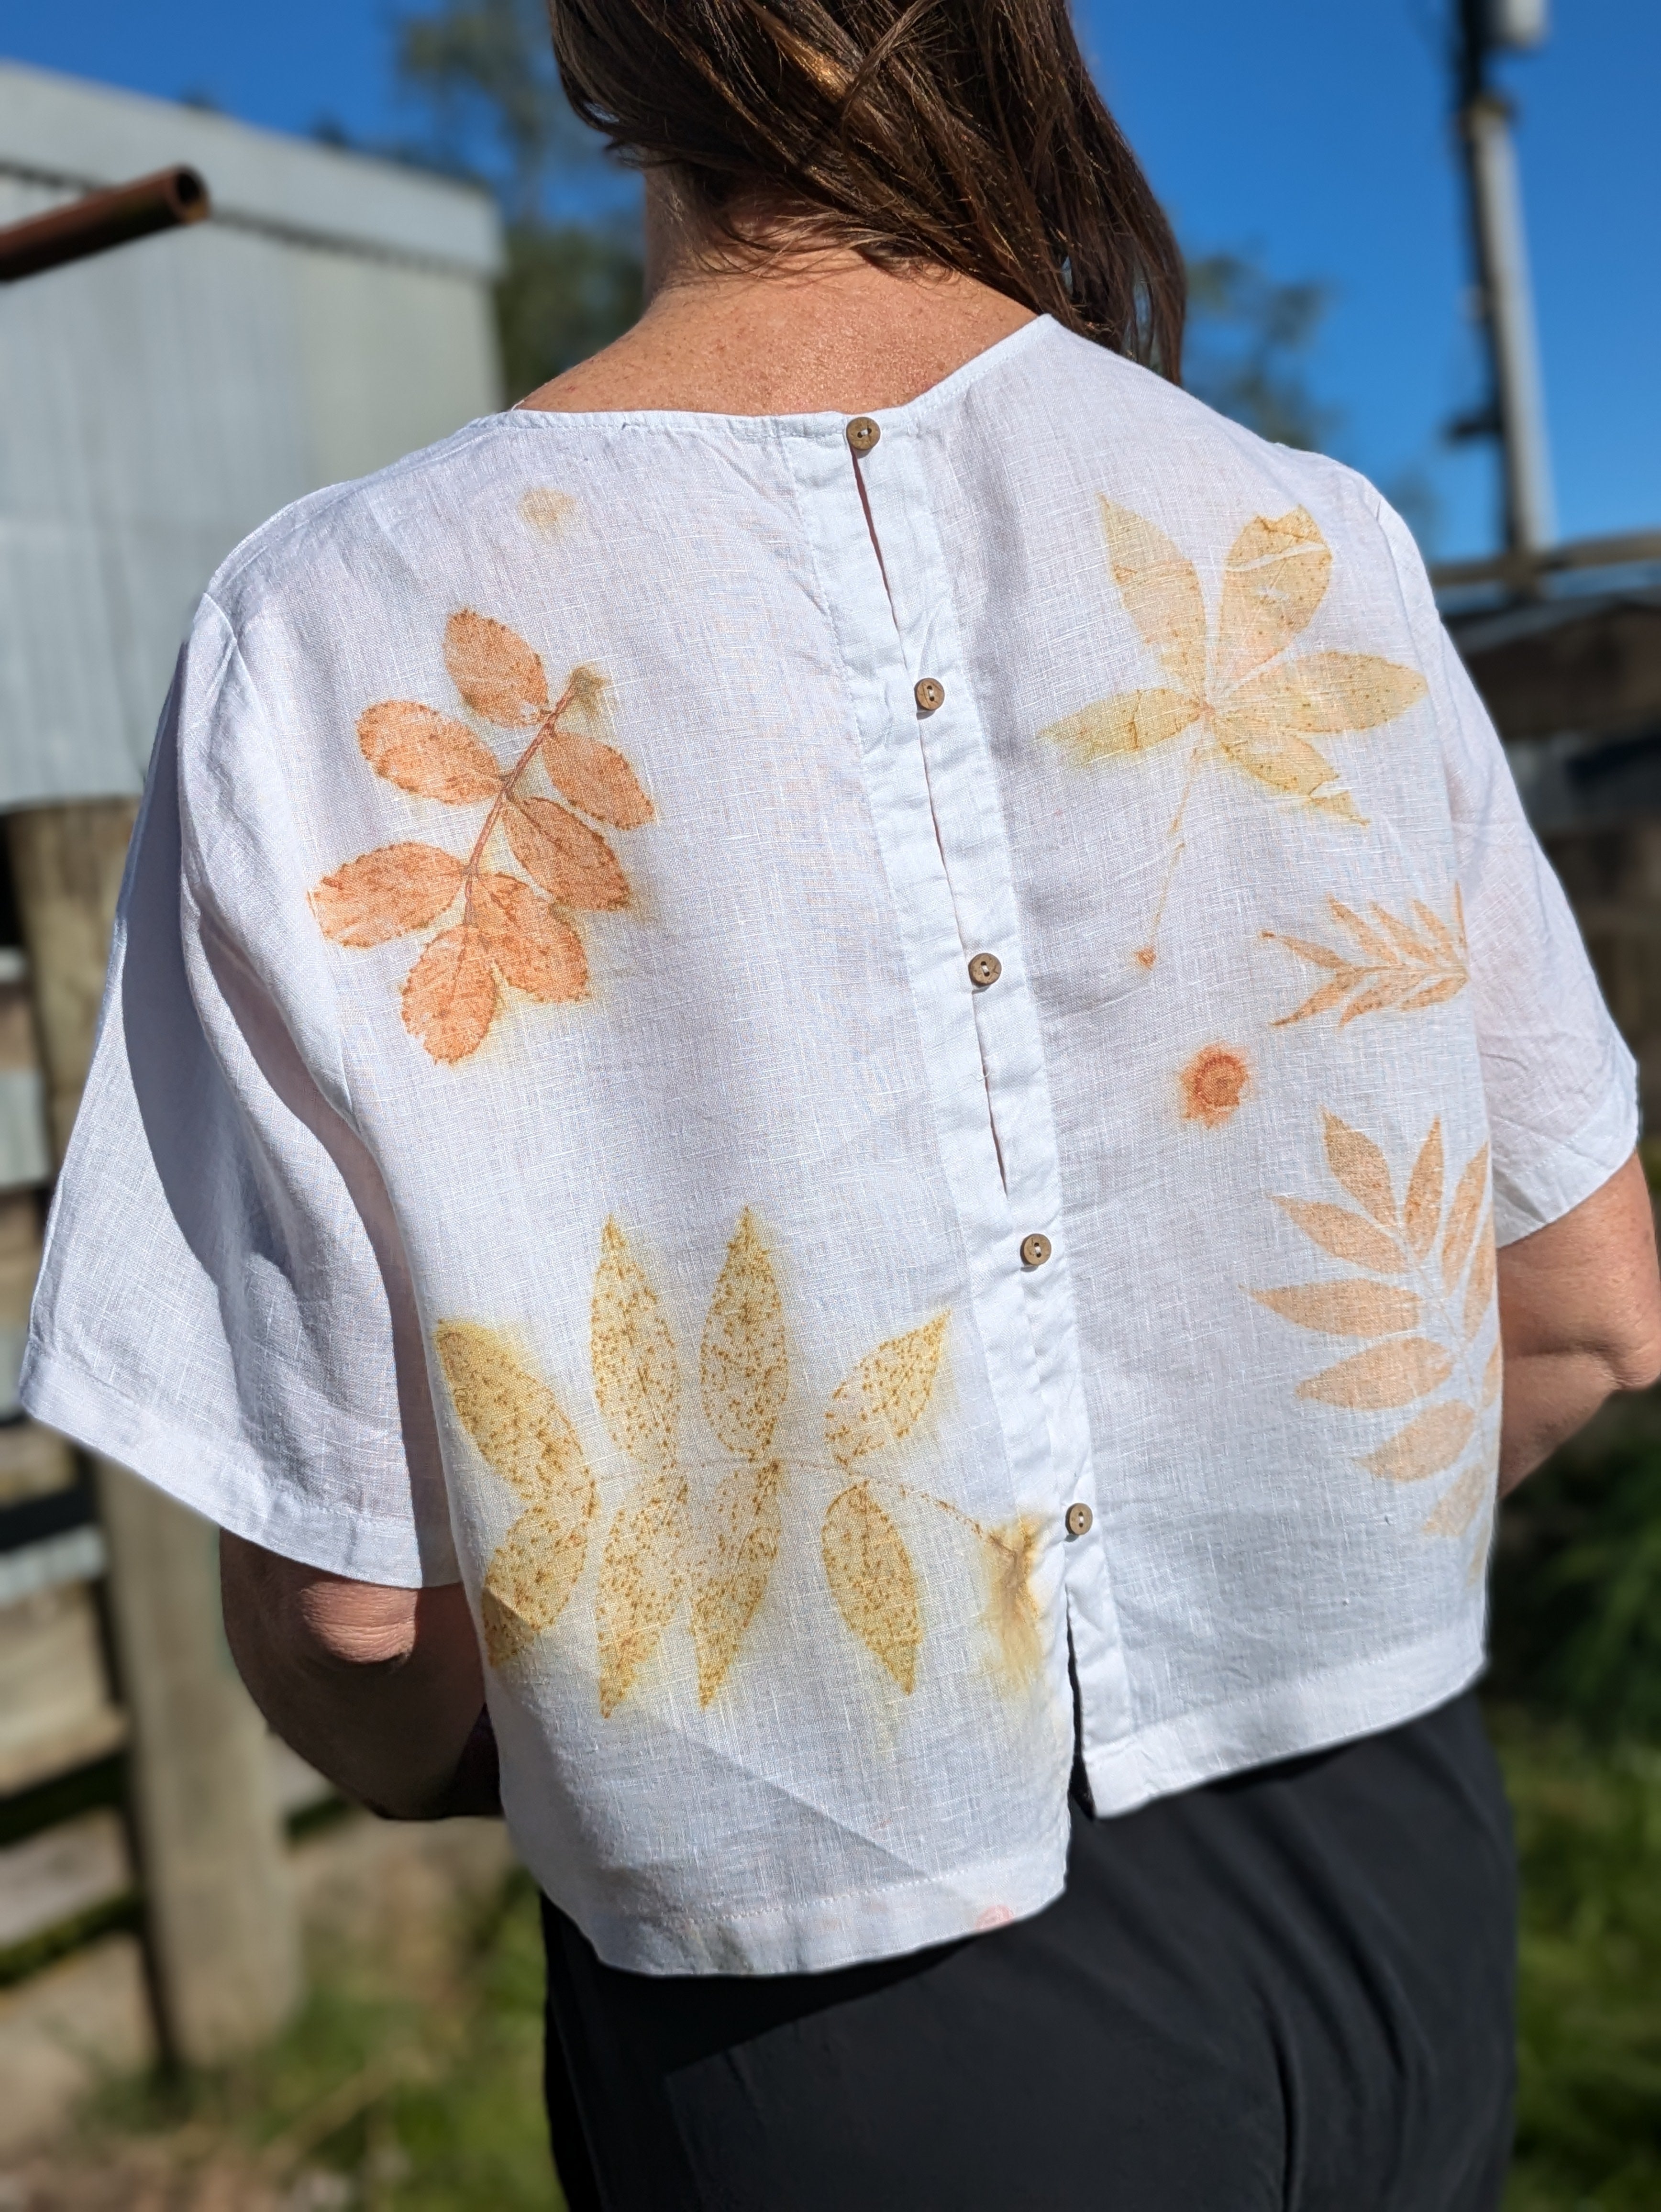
x,y
1310,133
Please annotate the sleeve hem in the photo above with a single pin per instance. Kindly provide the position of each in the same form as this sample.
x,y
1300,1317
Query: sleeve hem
x,y
1569,1173
210,1474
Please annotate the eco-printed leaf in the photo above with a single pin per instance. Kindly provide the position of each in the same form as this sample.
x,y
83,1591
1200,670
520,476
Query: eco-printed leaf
x,y
1393,1373
496,673
871,1578
1346,1236
641,1579
1436,993
1008,1558
1408,946
883,1400
1274,579
1353,1309
530,1576
545,510
1461,1503
1134,722
744,1522
1378,949
1479,1290
1285,764
428,753
1361,1167
636,1375
573,863
449,996
743,1368
1323,694
1464,1215
537,952
1422,1213
592,774
1161,593
1426,1446
1331,993
387,893
515,1420
1493,1375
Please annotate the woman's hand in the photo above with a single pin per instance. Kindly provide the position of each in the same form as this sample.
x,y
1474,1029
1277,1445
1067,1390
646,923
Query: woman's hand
x,y
1579,1317
382,1690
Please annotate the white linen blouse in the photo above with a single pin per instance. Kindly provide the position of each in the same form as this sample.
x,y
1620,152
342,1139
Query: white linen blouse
x,y
825,1056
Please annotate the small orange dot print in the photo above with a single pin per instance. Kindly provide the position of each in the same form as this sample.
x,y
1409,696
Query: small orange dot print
x,y
1214,1082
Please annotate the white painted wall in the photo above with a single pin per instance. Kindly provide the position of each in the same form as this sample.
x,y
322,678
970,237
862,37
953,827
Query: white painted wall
x,y
158,403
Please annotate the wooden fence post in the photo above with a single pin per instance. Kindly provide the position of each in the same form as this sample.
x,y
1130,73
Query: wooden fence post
x,y
220,1915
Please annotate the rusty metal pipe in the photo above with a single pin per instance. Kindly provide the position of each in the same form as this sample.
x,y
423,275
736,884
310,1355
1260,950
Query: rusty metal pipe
x,y
100,221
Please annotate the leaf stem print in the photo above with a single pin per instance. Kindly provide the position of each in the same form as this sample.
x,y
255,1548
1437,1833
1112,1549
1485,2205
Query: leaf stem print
x,y
1392,964
516,929
1420,1311
1252,708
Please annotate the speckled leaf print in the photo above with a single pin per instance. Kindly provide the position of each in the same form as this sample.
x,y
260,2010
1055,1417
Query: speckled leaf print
x,y
517,1423
883,1400
1252,709
1390,966
642,1576
873,1581
515,930
1423,1316
743,1366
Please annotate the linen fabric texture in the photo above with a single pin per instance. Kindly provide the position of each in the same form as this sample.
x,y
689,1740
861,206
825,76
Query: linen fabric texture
x,y
544,1129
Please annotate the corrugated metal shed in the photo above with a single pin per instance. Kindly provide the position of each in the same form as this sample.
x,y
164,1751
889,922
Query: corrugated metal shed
x,y
158,403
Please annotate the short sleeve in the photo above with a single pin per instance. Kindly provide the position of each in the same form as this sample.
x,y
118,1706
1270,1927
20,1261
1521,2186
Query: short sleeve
x,y
1559,1083
224,1304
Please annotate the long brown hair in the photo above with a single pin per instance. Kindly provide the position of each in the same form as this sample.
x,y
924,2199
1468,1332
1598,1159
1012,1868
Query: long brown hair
x,y
966,133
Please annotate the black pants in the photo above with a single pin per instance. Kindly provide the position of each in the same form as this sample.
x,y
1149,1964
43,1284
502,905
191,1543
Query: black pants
x,y
1290,1991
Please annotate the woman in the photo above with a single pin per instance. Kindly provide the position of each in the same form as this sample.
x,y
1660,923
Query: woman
x,y
817,1050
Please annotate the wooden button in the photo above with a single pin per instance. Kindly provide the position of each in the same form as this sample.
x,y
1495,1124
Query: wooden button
x,y
863,434
928,694
985,968
1035,1250
1079,1518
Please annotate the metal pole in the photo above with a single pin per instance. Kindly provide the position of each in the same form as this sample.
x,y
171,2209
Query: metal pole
x,y
1518,411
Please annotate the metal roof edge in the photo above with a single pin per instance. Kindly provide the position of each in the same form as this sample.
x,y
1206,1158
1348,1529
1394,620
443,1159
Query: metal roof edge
x,y
66,131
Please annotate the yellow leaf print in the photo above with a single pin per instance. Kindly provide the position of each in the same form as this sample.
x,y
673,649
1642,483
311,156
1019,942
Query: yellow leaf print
x,y
743,1366
1254,710
872,1579
641,1579
883,1400
745,1525
1393,967
516,1423
1008,1557
636,1376
1422,1324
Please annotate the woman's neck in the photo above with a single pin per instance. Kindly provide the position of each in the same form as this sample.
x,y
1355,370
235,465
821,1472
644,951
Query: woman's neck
x,y
815,329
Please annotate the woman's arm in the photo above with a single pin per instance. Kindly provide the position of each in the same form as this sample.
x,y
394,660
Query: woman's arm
x,y
1579,1317
380,1690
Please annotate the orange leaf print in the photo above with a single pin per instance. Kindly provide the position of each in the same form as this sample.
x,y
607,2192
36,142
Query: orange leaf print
x,y
1345,1308
1393,966
1464,1215
592,774
383,894
1360,1165
1422,1213
641,1581
427,753
1493,1375
496,673
1135,722
871,1578
1274,579
1426,1446
1324,694
450,998
746,1528
884,1399
1284,764
1479,1290
1393,1373
1346,1236
572,862
743,1368
1460,1507
536,951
